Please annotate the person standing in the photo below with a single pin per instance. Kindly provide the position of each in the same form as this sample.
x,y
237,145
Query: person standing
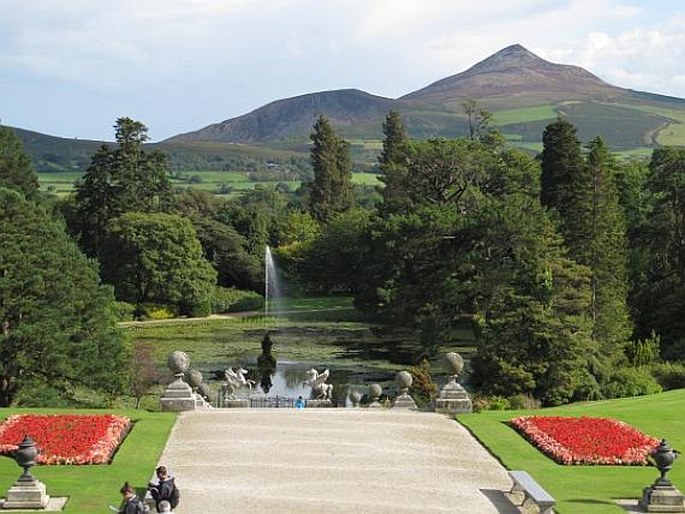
x,y
165,489
132,504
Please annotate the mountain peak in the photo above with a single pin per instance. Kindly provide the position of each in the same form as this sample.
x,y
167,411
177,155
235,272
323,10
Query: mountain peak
x,y
514,55
512,70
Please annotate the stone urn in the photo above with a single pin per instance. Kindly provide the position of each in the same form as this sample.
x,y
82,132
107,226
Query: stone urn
x,y
27,493
662,495
25,455
454,362
355,397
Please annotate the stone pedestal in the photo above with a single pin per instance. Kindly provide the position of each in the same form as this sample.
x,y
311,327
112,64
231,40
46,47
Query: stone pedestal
x,y
663,496
453,398
178,396
26,493
319,404
236,403
404,401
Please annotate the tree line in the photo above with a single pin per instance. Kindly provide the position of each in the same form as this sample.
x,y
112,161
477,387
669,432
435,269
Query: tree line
x,y
568,266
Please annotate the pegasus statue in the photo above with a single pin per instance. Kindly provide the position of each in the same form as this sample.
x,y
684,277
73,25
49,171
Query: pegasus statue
x,y
317,381
236,379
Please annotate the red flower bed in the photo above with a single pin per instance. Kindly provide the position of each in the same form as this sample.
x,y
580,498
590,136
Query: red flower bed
x,y
66,438
586,440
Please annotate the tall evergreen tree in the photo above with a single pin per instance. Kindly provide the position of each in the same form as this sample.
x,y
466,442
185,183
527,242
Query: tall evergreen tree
x,y
601,244
56,319
16,171
584,195
331,190
117,181
661,294
561,160
393,164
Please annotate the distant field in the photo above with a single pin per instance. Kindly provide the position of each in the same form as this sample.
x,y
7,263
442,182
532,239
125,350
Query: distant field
x,y
525,115
673,133
221,182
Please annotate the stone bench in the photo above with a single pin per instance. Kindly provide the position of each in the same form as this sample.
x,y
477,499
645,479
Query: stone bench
x,y
532,491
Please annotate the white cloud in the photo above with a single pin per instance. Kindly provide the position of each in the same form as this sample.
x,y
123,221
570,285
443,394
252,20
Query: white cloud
x,y
213,59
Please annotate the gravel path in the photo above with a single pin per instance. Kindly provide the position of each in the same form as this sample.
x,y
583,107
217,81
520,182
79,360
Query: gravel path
x,y
331,461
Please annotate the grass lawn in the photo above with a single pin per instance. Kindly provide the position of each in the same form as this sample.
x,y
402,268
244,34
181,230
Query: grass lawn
x,y
588,489
62,182
92,488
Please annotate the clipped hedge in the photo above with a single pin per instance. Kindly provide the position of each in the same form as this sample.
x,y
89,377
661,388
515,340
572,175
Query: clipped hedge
x,y
226,299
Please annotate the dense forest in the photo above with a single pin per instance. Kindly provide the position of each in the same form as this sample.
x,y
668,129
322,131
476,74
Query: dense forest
x,y
568,266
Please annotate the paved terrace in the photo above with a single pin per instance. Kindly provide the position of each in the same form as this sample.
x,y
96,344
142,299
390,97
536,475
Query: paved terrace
x,y
331,461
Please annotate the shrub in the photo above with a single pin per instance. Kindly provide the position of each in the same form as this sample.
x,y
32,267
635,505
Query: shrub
x,y
523,401
669,375
146,311
644,351
124,311
630,382
481,403
226,299
422,388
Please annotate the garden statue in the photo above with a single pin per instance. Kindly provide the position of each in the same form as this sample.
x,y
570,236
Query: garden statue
x,y
320,389
236,379
178,395
200,388
266,364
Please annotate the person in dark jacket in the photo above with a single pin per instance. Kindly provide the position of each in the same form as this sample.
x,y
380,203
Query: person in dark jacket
x,y
165,489
132,504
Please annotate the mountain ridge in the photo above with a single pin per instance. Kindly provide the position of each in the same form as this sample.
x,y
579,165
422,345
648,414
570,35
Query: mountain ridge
x,y
522,90
512,78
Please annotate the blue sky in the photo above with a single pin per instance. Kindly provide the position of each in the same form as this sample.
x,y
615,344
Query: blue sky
x,y
71,67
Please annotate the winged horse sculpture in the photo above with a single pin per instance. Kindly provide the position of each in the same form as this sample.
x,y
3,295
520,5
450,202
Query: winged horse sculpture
x,y
236,379
317,381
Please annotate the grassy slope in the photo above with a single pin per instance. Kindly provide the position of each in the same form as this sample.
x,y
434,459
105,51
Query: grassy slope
x,y
588,489
91,488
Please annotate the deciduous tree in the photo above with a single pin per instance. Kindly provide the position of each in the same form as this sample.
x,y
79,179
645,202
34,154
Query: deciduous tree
x,y
157,258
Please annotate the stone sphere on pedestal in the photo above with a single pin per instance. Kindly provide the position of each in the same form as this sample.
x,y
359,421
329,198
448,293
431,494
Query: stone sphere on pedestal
x,y
355,396
455,363
375,391
403,380
178,362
